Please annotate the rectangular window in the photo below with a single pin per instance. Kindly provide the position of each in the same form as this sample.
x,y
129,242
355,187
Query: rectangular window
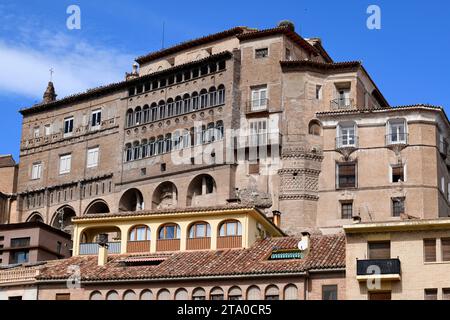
x,y
65,163
446,294
36,132
288,54
429,250
347,210
261,53
346,175
92,157
68,126
379,250
397,132
431,294
19,257
398,173
347,136
258,133
62,296
48,129
398,207
20,242
259,99
36,171
445,246
318,92
96,118
330,292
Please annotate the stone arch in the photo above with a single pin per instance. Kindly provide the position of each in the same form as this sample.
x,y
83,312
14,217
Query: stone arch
x,y
131,200
98,206
200,190
165,196
35,217
62,219
315,128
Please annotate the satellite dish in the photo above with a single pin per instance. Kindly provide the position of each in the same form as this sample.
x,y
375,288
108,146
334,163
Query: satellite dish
x,y
303,244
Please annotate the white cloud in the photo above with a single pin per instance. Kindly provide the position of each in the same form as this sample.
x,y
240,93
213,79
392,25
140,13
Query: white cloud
x,y
78,65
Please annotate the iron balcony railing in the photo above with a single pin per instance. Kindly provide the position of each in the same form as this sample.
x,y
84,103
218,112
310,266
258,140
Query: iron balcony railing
x,y
92,248
348,141
397,138
378,267
341,104
257,105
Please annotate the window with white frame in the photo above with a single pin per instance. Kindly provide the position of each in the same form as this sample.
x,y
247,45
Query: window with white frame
x,y
68,126
92,157
36,132
48,129
261,53
65,162
258,132
259,98
96,118
36,171
346,135
397,132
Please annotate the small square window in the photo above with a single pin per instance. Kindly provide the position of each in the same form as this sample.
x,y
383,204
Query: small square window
x,y
329,292
261,53
143,171
398,173
163,167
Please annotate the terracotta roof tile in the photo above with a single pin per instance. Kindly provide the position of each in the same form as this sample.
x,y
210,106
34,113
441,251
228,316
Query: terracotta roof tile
x,y
327,252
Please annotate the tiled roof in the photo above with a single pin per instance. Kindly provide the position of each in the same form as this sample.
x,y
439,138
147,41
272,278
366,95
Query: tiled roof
x,y
166,211
389,109
113,87
287,31
190,44
326,253
7,161
308,64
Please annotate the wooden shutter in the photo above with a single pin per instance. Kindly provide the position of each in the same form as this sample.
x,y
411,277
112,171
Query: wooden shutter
x,y
429,250
445,244
380,250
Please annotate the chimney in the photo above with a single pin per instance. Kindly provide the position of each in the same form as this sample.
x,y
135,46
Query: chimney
x,y
103,249
49,94
277,218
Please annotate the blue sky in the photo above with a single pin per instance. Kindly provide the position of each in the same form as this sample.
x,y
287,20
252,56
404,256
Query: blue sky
x,y
407,58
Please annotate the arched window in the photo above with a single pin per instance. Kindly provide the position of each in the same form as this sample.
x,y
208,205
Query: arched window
x,y
315,128
169,231
212,96
146,295
128,152
219,130
170,108
137,116
96,295
203,99
199,294
146,114
235,293
200,186
131,200
291,292
35,217
221,94
253,293
163,294
200,230
136,150
178,105
168,142
216,294
186,139
160,145
195,101
212,67
129,295
161,110
151,146
230,228
181,294
112,295
130,118
186,103
140,233
272,293
144,147
154,112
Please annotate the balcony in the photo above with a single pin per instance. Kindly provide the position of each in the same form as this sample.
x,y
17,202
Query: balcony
x,y
229,242
342,104
167,245
92,248
257,106
348,142
383,269
394,139
198,244
138,246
